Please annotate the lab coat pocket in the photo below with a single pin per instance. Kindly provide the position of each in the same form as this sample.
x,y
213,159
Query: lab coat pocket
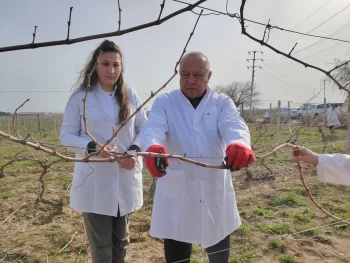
x,y
210,118
172,185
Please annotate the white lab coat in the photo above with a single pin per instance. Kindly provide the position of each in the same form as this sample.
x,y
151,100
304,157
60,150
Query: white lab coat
x,y
334,169
194,204
332,117
102,187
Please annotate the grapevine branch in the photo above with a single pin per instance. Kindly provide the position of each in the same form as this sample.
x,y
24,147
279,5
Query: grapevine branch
x,y
292,49
46,166
98,36
12,161
69,21
261,42
266,28
14,123
120,16
161,9
34,34
324,139
88,88
114,155
308,192
15,115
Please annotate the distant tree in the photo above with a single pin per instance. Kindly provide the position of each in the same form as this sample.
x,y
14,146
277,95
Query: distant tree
x,y
2,113
239,92
342,74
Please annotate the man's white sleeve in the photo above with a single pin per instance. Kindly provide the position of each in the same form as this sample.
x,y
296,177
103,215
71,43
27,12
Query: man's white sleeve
x,y
231,126
156,127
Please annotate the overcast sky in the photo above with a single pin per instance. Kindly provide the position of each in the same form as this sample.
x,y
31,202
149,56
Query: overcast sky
x,y
46,75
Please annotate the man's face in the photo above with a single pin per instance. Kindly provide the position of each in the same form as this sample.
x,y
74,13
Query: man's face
x,y
194,76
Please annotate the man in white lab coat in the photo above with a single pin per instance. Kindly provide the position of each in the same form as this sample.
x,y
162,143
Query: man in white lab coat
x,y
193,204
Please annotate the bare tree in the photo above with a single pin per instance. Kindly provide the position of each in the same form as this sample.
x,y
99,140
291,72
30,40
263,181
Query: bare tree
x,y
342,74
239,92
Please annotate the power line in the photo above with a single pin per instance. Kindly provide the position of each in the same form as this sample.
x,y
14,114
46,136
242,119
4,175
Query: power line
x,y
317,27
347,26
308,56
299,84
300,33
330,18
300,23
319,41
266,25
293,87
322,51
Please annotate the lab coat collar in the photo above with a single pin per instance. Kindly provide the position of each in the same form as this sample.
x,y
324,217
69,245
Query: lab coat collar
x,y
100,90
188,103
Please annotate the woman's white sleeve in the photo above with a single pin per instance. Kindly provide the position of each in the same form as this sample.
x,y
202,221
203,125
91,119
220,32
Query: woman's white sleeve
x,y
334,169
71,131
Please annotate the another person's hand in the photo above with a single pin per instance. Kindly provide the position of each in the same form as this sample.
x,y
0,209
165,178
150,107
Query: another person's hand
x,y
157,165
104,153
127,163
238,156
305,155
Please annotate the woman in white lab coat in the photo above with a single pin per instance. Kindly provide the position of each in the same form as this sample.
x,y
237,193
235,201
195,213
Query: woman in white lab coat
x,y
332,169
105,193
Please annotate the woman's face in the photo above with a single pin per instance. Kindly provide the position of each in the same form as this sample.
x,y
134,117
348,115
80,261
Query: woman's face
x,y
109,69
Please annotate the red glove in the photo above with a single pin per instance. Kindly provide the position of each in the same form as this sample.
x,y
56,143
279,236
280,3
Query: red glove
x,y
238,156
156,165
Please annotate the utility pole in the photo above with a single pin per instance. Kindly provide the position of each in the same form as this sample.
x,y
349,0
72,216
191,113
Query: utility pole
x,y
253,73
289,115
324,102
